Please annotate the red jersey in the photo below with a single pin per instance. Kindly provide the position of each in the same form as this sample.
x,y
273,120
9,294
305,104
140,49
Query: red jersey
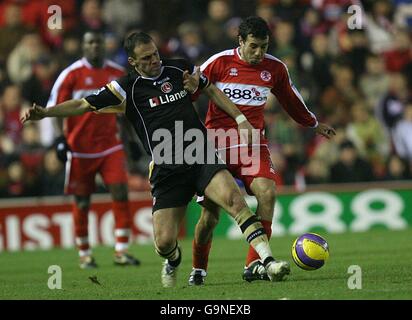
x,y
89,135
248,86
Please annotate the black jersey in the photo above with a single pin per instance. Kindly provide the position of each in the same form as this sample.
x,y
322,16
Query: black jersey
x,y
160,109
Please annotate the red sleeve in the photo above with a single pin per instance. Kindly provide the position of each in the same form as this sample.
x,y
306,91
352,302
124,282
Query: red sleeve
x,y
291,100
62,89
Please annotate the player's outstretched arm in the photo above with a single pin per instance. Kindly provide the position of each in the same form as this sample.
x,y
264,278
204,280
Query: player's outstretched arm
x,y
68,108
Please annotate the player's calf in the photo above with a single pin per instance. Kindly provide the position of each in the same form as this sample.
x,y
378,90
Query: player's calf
x,y
254,233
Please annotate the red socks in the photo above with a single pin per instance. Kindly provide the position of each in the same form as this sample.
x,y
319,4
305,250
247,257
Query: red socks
x,y
80,220
200,255
123,224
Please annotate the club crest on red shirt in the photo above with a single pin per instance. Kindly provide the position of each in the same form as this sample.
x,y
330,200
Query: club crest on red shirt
x,y
265,75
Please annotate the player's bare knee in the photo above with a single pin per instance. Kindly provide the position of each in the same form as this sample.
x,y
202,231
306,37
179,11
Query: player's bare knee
x,y
266,195
164,244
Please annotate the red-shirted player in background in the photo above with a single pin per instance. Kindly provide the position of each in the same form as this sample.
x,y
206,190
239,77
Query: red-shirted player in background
x,y
93,146
248,75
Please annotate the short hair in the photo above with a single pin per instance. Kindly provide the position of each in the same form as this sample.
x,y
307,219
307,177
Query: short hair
x,y
94,33
255,26
134,39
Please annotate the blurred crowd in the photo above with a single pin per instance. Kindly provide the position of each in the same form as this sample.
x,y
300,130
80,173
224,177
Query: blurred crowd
x,y
358,80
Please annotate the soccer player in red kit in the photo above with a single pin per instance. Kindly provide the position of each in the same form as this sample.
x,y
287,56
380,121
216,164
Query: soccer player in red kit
x,y
94,147
247,75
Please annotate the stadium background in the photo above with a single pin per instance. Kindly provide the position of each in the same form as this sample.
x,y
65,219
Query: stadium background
x,y
359,81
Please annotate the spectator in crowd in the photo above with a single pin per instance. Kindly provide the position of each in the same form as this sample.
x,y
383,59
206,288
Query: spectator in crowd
x,y
390,108
20,61
350,167
218,13
401,52
403,14
17,185
310,26
316,172
52,177
91,18
123,14
357,53
402,135
367,134
283,35
70,50
12,104
266,12
331,10
12,31
375,81
379,26
397,169
37,88
114,51
328,150
336,99
189,44
322,61
31,155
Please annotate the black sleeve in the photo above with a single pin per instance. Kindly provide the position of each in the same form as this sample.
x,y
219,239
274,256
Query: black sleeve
x,y
203,81
109,98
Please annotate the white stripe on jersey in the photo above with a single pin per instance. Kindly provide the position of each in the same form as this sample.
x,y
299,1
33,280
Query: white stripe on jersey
x,y
80,94
118,88
75,65
244,94
48,131
98,154
229,52
55,90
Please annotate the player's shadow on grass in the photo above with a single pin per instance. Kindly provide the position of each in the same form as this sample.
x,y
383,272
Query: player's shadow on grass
x,y
334,277
289,279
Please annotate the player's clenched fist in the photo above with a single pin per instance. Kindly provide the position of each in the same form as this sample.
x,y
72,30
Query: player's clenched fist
x,y
191,81
34,113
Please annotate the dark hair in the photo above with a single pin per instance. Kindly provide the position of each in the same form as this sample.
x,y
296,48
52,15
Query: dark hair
x,y
346,144
255,26
134,39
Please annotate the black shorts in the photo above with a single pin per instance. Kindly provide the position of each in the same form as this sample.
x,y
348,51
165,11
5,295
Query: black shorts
x,y
176,189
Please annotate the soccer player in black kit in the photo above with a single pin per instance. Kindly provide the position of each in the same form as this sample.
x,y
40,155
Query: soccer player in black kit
x,y
156,95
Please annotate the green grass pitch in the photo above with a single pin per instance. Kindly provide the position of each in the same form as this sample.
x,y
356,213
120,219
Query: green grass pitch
x,y
385,259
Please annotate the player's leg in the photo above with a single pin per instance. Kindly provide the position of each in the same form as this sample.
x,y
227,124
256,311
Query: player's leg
x,y
202,241
223,190
171,194
264,191
81,208
166,226
80,174
122,225
113,171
